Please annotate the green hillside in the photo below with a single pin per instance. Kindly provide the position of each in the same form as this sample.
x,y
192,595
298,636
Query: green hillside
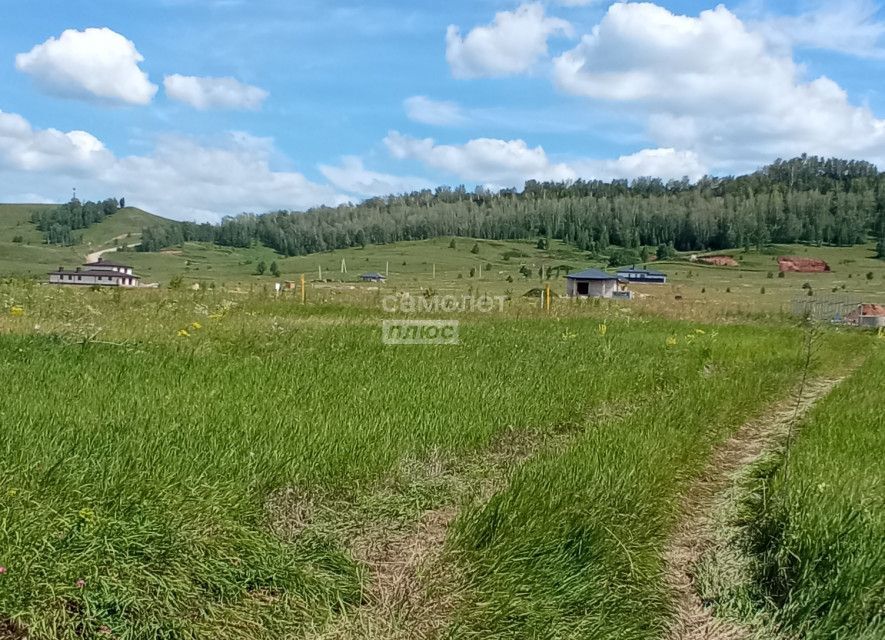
x,y
30,257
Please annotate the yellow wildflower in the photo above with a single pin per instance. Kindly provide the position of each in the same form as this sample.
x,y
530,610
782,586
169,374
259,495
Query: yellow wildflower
x,y
196,326
12,493
672,341
183,333
87,515
17,311
602,329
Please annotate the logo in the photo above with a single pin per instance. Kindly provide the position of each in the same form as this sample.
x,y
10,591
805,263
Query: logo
x,y
420,332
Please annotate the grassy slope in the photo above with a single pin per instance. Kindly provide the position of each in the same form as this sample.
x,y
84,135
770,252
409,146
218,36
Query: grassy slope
x,y
150,488
819,533
411,266
32,258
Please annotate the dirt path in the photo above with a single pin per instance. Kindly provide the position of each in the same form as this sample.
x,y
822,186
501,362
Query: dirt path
x,y
694,534
411,588
95,255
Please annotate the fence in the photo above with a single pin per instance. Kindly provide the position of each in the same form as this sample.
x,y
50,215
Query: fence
x,y
824,308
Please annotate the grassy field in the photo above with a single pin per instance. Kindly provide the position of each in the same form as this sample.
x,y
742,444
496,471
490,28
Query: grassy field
x,y
149,435
818,520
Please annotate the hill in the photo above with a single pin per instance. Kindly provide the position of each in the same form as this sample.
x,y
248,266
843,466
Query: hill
x,y
23,252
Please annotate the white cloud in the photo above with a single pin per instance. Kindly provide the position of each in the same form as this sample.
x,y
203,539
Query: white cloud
x,y
214,93
667,164
482,160
512,162
512,44
353,177
435,112
711,85
92,64
181,178
26,149
849,26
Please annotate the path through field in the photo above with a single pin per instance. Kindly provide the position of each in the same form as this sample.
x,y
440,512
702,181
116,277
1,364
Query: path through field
x,y
411,590
695,532
96,255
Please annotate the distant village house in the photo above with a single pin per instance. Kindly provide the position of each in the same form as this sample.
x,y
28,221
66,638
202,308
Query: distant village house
x,y
644,276
372,277
101,273
594,283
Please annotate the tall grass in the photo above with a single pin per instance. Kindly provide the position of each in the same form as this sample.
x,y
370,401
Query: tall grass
x,y
820,519
136,460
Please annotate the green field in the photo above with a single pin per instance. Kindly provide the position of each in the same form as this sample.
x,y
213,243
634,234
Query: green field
x,y
218,465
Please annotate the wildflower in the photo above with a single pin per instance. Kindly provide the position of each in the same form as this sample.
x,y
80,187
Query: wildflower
x,y
568,335
183,333
700,332
17,311
87,515
12,493
672,341
602,330
2,569
822,486
196,326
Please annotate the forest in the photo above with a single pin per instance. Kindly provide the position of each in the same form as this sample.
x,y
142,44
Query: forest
x,y
807,199
59,224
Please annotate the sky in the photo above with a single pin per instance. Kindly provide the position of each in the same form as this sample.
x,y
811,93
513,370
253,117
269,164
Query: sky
x,y
197,109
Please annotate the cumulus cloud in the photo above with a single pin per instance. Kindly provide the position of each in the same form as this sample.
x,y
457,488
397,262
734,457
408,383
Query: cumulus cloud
x,y
712,85
435,112
512,162
95,64
353,177
26,149
512,44
181,178
214,93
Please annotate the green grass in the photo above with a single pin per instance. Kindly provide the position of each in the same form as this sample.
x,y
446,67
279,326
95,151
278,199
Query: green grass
x,y
141,463
820,519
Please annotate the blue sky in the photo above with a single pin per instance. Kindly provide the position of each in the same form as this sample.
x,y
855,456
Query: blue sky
x,y
202,108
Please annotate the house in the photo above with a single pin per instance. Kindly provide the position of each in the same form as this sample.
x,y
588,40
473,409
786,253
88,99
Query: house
x,y
867,315
372,277
100,273
594,283
645,276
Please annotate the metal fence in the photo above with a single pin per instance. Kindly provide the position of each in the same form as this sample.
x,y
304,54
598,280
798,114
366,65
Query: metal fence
x,y
825,308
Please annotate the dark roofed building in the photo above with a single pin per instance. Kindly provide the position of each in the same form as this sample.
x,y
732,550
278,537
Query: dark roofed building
x,y
632,274
372,277
593,283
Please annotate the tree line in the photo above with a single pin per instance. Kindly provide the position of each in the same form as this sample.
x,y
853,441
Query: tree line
x,y
806,199
58,224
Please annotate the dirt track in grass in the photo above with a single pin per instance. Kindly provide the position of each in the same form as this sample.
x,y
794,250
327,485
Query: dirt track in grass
x,y
694,534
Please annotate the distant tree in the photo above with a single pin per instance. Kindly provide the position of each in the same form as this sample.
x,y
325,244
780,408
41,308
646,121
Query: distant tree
x,y
525,271
452,244
18,239
666,251
472,272
644,254
621,257
261,268
542,244
274,269
475,248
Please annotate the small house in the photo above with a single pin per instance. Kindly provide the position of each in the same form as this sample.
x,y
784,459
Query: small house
x,y
594,283
100,273
372,277
644,276
867,315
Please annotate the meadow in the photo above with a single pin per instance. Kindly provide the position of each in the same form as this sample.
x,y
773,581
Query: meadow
x,y
207,464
